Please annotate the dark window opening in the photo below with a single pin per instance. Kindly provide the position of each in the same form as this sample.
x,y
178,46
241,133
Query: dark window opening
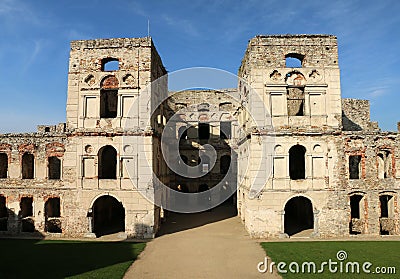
x,y
354,166
26,214
54,167
355,202
294,60
47,129
3,214
27,166
107,163
225,130
297,169
52,215
225,164
3,165
387,206
108,103
109,64
299,215
295,101
108,216
204,131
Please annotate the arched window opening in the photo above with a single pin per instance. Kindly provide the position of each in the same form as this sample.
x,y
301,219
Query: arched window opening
x,y
28,166
52,215
356,214
299,215
26,214
297,168
54,167
3,165
294,60
3,214
107,162
109,64
225,164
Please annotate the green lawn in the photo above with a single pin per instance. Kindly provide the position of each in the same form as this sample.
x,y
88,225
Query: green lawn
x,y
379,253
66,259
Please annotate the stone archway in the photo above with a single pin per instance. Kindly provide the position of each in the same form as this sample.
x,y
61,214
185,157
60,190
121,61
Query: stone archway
x,y
108,216
299,215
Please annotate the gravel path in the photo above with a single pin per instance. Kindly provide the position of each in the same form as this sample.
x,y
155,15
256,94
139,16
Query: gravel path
x,y
203,245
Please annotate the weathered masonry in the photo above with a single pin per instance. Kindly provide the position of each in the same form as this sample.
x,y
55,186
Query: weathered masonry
x,y
334,172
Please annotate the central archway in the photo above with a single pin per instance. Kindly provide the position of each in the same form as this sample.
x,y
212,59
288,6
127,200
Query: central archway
x,y
298,215
108,216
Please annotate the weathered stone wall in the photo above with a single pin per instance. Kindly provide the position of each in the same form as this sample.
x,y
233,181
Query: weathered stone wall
x,y
356,115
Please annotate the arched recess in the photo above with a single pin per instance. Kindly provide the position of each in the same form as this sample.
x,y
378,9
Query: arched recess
x,y
107,167
28,166
297,163
108,216
299,215
294,60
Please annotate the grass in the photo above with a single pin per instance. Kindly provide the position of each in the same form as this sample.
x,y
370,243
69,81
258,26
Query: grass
x,y
379,253
66,259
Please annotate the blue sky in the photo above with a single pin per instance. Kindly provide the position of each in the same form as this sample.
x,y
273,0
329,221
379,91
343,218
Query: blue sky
x,y
35,36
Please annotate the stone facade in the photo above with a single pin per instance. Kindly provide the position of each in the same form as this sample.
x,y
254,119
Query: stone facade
x,y
302,158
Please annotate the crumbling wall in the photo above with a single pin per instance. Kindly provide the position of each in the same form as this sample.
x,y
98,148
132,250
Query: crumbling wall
x,y
356,115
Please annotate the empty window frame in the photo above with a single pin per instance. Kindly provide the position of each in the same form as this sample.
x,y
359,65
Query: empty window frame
x,y
295,101
28,162
109,64
108,103
384,164
3,165
355,166
54,167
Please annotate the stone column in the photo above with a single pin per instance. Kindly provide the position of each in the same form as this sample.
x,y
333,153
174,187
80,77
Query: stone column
x,y
282,233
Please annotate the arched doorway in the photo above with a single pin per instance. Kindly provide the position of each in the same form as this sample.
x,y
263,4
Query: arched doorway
x,y
299,215
108,216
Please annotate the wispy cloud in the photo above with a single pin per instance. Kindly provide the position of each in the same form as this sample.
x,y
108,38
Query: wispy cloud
x,y
181,24
37,47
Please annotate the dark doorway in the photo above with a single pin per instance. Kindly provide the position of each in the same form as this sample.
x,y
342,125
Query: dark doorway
x,y
26,214
297,168
108,216
27,166
354,166
299,215
54,168
107,162
52,215
3,165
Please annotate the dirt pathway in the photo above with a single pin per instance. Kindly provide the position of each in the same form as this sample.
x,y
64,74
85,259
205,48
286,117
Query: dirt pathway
x,y
204,245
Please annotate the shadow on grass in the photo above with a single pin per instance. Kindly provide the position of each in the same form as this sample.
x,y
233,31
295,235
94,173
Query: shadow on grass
x,y
61,259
